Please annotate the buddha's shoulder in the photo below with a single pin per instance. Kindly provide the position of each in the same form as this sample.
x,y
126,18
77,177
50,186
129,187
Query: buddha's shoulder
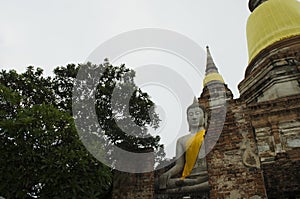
x,y
184,138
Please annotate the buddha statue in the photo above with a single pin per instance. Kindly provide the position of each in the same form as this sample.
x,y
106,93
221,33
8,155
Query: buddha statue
x,y
189,172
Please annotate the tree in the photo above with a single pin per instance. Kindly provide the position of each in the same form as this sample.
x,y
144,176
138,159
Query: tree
x,y
127,131
42,155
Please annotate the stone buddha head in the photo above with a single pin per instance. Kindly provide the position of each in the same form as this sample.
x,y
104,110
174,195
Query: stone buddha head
x,y
196,115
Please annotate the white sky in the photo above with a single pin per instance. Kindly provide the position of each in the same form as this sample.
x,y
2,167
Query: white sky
x,y
54,33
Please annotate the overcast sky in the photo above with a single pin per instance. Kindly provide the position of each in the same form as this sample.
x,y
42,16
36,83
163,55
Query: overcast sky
x,y
54,33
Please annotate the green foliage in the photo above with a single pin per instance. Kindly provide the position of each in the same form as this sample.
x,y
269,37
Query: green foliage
x,y
44,157
41,153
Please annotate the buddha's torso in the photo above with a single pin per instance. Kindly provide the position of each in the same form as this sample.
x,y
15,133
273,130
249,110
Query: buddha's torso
x,y
200,167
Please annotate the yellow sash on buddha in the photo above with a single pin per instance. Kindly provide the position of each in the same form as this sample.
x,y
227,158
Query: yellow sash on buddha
x,y
193,146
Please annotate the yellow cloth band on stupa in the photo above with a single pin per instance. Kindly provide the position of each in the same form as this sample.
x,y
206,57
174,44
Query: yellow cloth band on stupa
x,y
193,146
212,77
272,21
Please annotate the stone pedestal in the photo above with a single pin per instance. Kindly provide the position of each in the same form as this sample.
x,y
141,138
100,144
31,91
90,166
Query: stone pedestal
x,y
182,195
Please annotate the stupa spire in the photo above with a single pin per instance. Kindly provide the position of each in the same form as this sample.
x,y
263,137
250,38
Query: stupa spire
x,y
211,71
210,65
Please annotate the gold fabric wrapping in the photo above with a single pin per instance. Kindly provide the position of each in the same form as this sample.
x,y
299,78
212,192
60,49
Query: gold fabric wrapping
x,y
193,147
212,77
272,21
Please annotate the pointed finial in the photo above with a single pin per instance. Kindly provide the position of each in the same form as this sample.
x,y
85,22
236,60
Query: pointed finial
x,y
210,65
195,100
211,71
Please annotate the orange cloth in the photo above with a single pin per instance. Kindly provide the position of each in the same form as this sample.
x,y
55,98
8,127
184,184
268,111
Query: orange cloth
x,y
193,146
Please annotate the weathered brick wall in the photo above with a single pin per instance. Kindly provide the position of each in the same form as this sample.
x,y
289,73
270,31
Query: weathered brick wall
x,y
129,185
282,177
258,151
229,177
277,129
135,185
271,89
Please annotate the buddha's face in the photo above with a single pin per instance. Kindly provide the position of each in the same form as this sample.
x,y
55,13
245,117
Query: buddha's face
x,y
195,117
